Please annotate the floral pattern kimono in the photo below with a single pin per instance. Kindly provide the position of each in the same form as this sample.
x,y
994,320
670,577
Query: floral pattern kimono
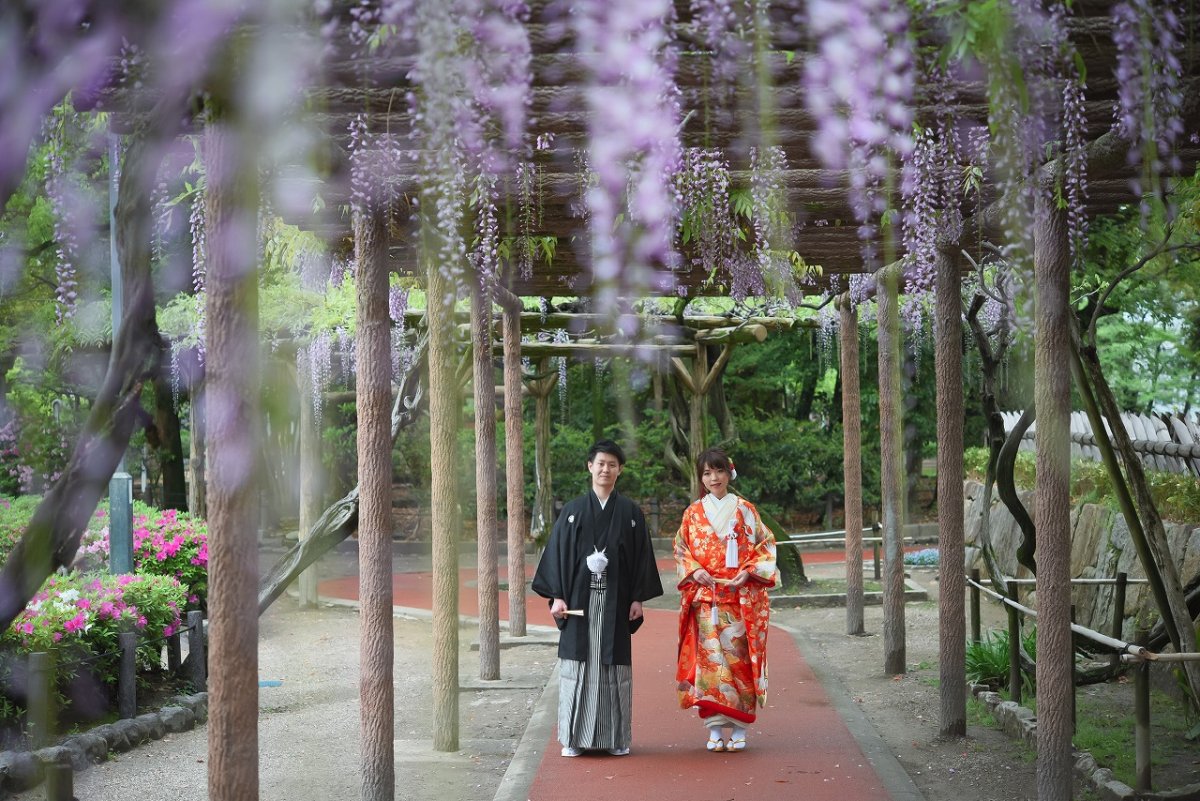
x,y
722,665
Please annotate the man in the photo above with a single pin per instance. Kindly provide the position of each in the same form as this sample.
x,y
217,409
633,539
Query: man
x,y
597,569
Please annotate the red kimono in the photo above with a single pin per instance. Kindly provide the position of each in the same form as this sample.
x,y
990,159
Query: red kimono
x,y
722,665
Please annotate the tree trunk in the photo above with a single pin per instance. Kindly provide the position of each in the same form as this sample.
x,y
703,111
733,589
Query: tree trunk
x,y
52,537
170,447
990,362
198,452
543,496
310,476
443,429
852,465
891,469
912,443
514,480
233,394
1052,506
1148,533
952,627
485,484
376,643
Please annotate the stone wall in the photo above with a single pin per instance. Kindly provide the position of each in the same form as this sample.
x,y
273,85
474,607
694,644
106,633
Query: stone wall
x,y
1100,548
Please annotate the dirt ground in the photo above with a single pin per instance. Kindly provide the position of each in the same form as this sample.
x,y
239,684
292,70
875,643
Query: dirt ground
x,y
309,713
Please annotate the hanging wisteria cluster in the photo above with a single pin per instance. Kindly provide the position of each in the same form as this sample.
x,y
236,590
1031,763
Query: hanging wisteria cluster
x,y
63,193
198,227
769,203
633,150
319,358
702,192
1149,39
859,86
469,114
1027,118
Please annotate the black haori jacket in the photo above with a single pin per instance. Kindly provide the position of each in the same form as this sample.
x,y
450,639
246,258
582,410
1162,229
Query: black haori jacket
x,y
632,574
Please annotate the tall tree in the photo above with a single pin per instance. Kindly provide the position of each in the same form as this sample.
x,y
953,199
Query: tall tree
x,y
376,647
1052,510
233,395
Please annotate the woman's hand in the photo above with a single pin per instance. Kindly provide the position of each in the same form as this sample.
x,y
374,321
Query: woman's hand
x,y
635,611
703,578
558,608
739,580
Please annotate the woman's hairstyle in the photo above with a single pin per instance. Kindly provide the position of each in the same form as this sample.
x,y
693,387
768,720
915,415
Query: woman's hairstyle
x,y
609,447
714,458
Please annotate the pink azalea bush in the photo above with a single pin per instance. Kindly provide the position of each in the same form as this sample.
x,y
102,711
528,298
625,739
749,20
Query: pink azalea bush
x,y
165,543
77,618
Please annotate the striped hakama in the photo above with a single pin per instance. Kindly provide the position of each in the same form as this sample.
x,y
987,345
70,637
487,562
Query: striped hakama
x,y
595,700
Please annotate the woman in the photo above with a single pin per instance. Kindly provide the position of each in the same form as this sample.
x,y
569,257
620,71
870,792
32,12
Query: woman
x,y
726,560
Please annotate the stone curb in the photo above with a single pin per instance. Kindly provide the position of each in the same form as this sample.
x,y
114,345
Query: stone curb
x,y
24,770
1019,722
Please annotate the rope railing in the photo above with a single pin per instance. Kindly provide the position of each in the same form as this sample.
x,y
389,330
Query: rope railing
x,y
1140,657
831,538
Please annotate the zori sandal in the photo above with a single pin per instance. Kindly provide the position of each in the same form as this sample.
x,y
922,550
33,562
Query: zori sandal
x,y
737,743
715,745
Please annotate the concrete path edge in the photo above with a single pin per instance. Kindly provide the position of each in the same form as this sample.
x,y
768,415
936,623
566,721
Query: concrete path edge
x,y
891,773
530,751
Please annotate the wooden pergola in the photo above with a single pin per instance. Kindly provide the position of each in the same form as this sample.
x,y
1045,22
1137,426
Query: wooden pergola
x,y
382,243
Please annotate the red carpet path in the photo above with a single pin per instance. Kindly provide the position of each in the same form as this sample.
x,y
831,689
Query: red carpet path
x,y
800,748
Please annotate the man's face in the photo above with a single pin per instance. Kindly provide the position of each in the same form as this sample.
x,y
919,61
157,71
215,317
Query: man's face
x,y
604,468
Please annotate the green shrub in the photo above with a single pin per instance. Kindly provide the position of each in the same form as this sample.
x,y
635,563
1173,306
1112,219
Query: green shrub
x,y
987,660
14,517
1177,496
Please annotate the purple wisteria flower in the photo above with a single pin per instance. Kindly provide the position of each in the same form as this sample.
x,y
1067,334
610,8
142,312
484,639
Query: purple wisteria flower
x,y
634,152
859,86
1149,39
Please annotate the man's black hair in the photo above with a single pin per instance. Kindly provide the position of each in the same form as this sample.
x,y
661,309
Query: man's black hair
x,y
609,447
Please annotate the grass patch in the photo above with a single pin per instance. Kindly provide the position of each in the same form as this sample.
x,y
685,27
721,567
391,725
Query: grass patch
x,y
828,586
1106,731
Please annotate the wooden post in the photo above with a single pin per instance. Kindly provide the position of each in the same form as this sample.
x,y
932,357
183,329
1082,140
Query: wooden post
x,y
40,707
444,415
948,333
485,483
60,782
514,424
875,561
1118,625
1052,507
1014,654
1141,730
976,634
852,465
891,468
197,659
373,367
310,477
127,675
174,653
233,393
